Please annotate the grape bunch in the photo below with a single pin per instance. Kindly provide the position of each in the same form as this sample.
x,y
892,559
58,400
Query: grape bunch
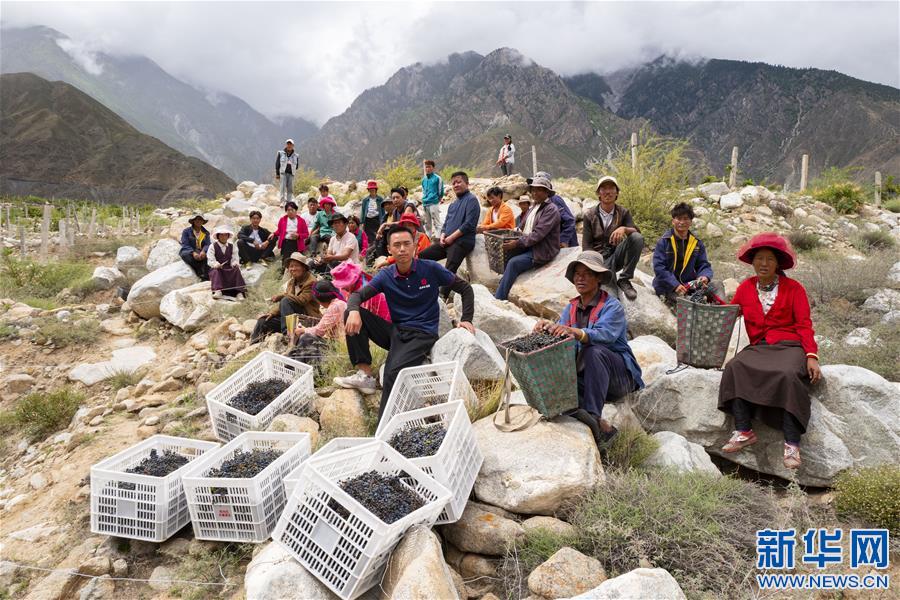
x,y
245,465
258,395
385,496
532,341
415,442
159,465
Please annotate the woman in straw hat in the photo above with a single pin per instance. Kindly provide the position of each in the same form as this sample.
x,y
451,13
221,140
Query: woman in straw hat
x,y
768,379
224,266
296,299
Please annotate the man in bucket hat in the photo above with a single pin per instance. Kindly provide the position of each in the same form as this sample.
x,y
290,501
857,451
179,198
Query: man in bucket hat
x,y
568,237
195,242
607,368
610,230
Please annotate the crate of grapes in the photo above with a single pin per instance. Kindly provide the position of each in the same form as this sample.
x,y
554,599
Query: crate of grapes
x,y
138,494
333,445
350,509
427,385
493,245
544,367
267,386
440,440
236,493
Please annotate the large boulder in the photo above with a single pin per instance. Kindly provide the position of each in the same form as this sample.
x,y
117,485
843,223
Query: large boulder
x,y
883,301
476,267
855,422
130,262
105,278
188,308
148,291
476,353
639,584
416,569
566,573
164,252
714,188
247,188
483,529
647,314
675,452
238,207
654,356
731,201
534,471
273,573
499,319
124,360
545,292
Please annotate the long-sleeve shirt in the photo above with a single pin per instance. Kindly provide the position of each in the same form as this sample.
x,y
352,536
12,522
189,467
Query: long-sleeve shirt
x,y
567,233
299,291
595,236
432,189
223,248
331,325
505,218
286,162
190,244
323,225
544,237
302,232
245,234
788,319
463,215
677,261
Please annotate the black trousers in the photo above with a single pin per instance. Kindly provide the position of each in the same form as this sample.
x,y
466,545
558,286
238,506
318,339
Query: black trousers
x,y
277,323
371,228
200,267
406,348
455,254
743,413
288,247
249,254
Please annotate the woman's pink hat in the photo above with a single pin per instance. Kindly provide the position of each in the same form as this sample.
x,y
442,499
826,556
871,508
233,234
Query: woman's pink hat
x,y
345,275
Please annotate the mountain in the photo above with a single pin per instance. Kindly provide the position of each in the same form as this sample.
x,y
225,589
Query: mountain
x,y
457,113
55,140
773,114
219,128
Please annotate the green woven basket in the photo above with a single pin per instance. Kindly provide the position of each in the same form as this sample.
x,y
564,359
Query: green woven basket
x,y
704,332
547,376
493,245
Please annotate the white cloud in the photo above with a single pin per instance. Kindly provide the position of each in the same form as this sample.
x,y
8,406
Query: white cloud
x,y
313,58
81,54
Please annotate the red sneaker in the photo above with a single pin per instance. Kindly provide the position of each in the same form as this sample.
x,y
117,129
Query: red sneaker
x,y
739,440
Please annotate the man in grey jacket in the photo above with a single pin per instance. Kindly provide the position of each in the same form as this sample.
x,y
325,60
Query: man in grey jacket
x,y
286,165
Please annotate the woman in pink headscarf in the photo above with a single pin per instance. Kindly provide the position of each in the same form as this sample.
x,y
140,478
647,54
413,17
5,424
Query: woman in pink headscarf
x,y
349,277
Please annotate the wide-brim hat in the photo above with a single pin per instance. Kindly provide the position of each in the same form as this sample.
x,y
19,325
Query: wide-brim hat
x,y
346,274
787,258
524,199
593,261
541,182
386,201
609,178
201,217
338,217
222,229
371,185
299,258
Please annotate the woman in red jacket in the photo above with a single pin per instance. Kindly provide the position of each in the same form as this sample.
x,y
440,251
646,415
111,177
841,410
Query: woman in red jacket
x,y
768,379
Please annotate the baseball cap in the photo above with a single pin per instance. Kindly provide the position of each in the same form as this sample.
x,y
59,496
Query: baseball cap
x,y
289,141
606,178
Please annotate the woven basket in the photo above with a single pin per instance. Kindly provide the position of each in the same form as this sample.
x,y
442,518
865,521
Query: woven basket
x,y
704,332
493,243
547,376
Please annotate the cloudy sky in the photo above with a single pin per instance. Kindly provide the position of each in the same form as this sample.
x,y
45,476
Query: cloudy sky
x,y
312,59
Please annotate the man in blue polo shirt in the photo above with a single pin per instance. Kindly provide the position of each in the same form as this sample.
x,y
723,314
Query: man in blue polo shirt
x,y
410,287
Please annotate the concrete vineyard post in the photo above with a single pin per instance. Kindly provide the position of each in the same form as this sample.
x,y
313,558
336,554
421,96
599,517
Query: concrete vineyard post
x,y
732,176
533,161
45,232
878,189
804,172
633,151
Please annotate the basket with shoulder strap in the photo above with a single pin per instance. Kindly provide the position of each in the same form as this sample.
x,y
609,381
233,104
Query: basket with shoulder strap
x,y
704,332
493,244
546,376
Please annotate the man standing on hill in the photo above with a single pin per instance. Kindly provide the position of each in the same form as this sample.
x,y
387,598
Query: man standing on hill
x,y
432,192
286,164
610,230
507,156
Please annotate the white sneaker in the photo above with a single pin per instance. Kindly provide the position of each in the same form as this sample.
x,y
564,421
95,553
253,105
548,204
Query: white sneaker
x,y
240,296
217,295
359,381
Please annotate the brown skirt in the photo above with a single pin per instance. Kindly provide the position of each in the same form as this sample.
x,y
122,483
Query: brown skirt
x,y
772,378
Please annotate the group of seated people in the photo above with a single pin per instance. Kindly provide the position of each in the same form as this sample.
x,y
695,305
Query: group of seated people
x,y
398,309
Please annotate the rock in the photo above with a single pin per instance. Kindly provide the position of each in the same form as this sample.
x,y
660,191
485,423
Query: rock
x,y
116,326
855,422
884,300
416,569
59,585
253,274
566,573
238,207
35,533
18,383
124,360
97,565
445,322
164,252
677,453
639,584
120,567
160,578
713,231
545,292
731,201
105,278
473,566
459,585
550,524
891,317
750,194
534,471
717,188
647,314
894,273
293,423
101,588
148,291
499,319
481,531
342,415
861,336
654,356
273,573
476,353
128,257
476,267
37,481
246,188
188,308
780,208
800,213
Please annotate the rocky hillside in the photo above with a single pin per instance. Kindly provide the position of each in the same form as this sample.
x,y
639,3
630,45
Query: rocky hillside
x,y
773,114
57,141
221,129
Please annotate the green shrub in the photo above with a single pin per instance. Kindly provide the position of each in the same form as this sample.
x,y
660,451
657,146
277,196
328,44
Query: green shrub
x,y
710,179
892,205
541,544
872,494
804,240
213,563
869,241
21,278
747,182
449,170
631,448
306,179
124,379
403,170
845,197
39,414
67,333
824,275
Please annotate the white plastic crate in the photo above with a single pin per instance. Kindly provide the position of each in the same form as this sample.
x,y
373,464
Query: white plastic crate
x,y
456,463
142,507
339,443
228,422
242,510
427,385
349,554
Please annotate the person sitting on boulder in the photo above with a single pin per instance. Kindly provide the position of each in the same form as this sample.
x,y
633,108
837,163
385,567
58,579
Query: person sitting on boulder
x,y
411,222
539,243
524,203
312,342
255,243
195,242
322,231
411,287
291,233
498,215
296,299
607,368
362,240
349,277
224,266
342,245
568,236
680,258
610,230
768,379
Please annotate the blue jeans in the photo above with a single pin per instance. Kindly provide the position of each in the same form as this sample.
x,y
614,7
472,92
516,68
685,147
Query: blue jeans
x,y
514,267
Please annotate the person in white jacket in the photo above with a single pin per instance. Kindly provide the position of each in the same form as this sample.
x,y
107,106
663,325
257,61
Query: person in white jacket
x,y
287,163
507,157
224,266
